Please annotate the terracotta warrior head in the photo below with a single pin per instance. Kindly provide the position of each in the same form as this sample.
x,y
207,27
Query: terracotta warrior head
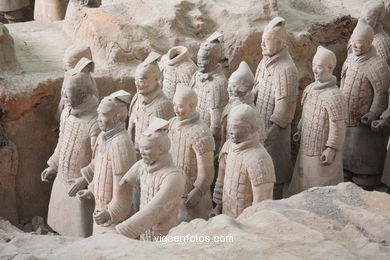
x,y
243,123
147,74
185,101
210,53
362,37
274,36
324,62
74,54
241,81
154,141
373,12
112,110
79,89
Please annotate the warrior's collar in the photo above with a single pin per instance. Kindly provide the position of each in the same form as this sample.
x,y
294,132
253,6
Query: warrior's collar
x,y
361,58
323,85
181,55
188,121
163,161
252,142
269,60
107,136
202,77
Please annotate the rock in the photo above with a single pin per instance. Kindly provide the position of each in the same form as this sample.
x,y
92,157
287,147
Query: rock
x,y
334,222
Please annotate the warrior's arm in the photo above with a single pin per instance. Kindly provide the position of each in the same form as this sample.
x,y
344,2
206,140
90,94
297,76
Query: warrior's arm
x,y
284,111
217,195
336,134
263,191
122,158
120,205
205,175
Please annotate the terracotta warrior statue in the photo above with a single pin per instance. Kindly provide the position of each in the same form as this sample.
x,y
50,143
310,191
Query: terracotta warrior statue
x,y
246,173
78,132
50,10
192,151
113,155
150,101
178,69
8,170
15,11
240,87
210,84
76,57
161,184
365,81
276,94
321,128
374,11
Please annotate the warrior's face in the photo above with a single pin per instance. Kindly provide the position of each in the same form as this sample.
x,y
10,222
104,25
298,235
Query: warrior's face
x,y
270,45
73,97
238,131
360,46
149,152
203,61
145,82
183,107
322,73
237,89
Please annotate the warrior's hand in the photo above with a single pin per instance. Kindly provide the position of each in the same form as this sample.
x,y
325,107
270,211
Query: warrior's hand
x,y
77,185
101,216
328,156
272,133
216,211
48,174
297,137
193,198
85,194
368,118
378,125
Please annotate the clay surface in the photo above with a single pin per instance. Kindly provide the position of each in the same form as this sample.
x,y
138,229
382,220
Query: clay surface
x,y
321,223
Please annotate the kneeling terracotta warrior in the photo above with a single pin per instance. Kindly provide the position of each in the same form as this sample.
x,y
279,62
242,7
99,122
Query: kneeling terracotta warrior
x,y
161,185
321,128
246,172
192,151
78,132
113,156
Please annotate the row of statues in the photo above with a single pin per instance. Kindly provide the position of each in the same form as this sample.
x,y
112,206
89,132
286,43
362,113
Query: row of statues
x,y
149,162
